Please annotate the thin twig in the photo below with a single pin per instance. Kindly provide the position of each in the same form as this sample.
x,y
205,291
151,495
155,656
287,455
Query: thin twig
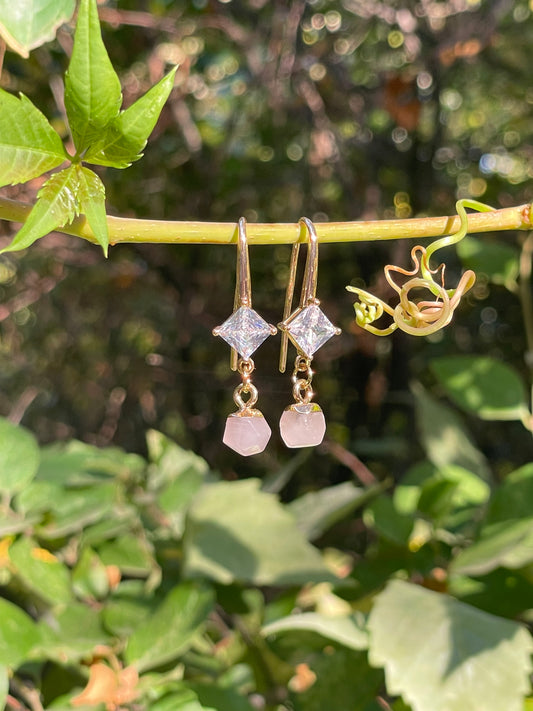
x,y
123,230
350,460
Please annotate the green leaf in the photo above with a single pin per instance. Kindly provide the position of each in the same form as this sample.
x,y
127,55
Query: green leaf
x,y
91,197
445,437
498,260
127,135
71,635
89,577
469,490
27,24
346,630
40,572
237,532
56,206
18,634
506,538
19,457
513,498
382,516
131,554
440,654
437,497
169,631
78,464
216,698
507,544
92,88
176,474
183,700
36,497
128,606
482,385
501,592
170,461
74,509
29,146
317,511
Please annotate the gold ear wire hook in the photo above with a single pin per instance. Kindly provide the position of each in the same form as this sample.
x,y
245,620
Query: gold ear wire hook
x,y
309,282
243,283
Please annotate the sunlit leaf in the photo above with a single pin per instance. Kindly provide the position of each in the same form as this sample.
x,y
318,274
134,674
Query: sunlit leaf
x,y
56,206
125,138
19,457
46,16
169,631
91,195
29,146
440,654
92,88
237,532
482,385
346,630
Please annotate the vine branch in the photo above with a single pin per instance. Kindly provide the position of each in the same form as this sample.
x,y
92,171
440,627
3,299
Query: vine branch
x,y
127,230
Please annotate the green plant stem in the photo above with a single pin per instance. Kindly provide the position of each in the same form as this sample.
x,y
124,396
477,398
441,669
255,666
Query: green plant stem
x,y
164,232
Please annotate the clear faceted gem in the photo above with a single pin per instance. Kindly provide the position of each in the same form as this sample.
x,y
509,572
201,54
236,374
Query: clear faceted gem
x,y
244,330
310,329
302,425
247,433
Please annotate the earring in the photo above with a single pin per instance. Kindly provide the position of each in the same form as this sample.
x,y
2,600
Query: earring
x,y
246,431
302,424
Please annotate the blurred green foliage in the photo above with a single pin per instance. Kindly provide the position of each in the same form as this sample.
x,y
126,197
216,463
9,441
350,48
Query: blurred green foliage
x,y
141,584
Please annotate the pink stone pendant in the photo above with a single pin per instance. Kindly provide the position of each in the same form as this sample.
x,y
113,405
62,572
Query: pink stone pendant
x,y
247,432
302,425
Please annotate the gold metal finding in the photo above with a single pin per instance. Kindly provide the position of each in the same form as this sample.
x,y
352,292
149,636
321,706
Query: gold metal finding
x,y
309,284
243,282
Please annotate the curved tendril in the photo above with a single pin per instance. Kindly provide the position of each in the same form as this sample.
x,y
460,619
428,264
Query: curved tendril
x,y
370,308
423,317
460,206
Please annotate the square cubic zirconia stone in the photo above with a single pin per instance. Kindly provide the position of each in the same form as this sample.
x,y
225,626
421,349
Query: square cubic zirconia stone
x,y
244,330
310,329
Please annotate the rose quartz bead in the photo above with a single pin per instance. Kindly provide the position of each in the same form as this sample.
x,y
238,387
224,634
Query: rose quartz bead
x,y
302,425
246,433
